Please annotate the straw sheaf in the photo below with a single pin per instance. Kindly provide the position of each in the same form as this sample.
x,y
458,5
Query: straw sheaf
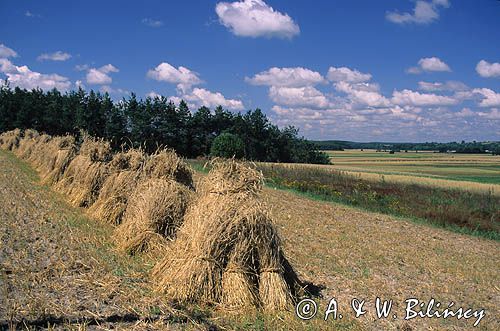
x,y
165,164
98,150
114,196
82,180
27,143
10,140
155,211
227,251
133,159
231,176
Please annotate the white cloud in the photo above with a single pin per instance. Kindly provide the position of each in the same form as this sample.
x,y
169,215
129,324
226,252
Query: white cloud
x,y
6,52
152,23
202,97
110,90
183,77
424,12
412,98
30,14
490,97
100,76
306,96
57,56
344,74
254,18
7,67
79,84
494,114
286,77
82,67
446,86
488,70
153,95
23,77
465,112
363,94
429,64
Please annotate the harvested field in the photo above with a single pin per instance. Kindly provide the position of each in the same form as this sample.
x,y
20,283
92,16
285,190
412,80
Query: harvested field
x,y
467,171
58,269
347,252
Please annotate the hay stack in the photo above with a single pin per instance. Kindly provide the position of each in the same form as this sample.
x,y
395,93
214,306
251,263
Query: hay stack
x,y
227,251
37,152
165,164
154,212
125,171
27,143
85,174
60,152
10,140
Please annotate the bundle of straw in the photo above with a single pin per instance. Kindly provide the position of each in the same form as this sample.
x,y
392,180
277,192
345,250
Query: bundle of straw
x,y
9,140
228,250
125,173
165,164
154,212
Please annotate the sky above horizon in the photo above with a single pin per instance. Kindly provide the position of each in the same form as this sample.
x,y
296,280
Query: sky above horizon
x,y
386,70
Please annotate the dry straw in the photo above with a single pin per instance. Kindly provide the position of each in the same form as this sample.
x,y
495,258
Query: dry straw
x,y
27,143
227,251
85,174
10,140
125,171
165,164
154,212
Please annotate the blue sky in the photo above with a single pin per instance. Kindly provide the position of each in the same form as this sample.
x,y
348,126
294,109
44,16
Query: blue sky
x,y
356,70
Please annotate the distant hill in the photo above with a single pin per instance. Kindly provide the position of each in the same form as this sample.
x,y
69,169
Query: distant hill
x,y
458,147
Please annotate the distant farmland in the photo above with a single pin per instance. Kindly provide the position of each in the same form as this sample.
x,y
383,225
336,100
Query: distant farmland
x,y
478,168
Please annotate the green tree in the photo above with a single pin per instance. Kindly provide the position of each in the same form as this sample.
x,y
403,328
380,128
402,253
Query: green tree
x,y
227,145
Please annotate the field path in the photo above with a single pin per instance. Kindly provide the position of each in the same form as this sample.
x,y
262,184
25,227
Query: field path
x,y
358,254
58,267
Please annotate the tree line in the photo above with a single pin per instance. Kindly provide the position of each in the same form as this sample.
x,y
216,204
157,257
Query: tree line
x,y
153,123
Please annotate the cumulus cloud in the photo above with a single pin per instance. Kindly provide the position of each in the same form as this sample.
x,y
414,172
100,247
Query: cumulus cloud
x,y
363,94
286,77
182,76
465,112
114,91
185,80
493,114
202,97
424,12
489,97
306,96
343,74
429,64
100,76
254,18
57,56
488,70
412,98
152,23
6,52
153,95
82,67
446,86
23,77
